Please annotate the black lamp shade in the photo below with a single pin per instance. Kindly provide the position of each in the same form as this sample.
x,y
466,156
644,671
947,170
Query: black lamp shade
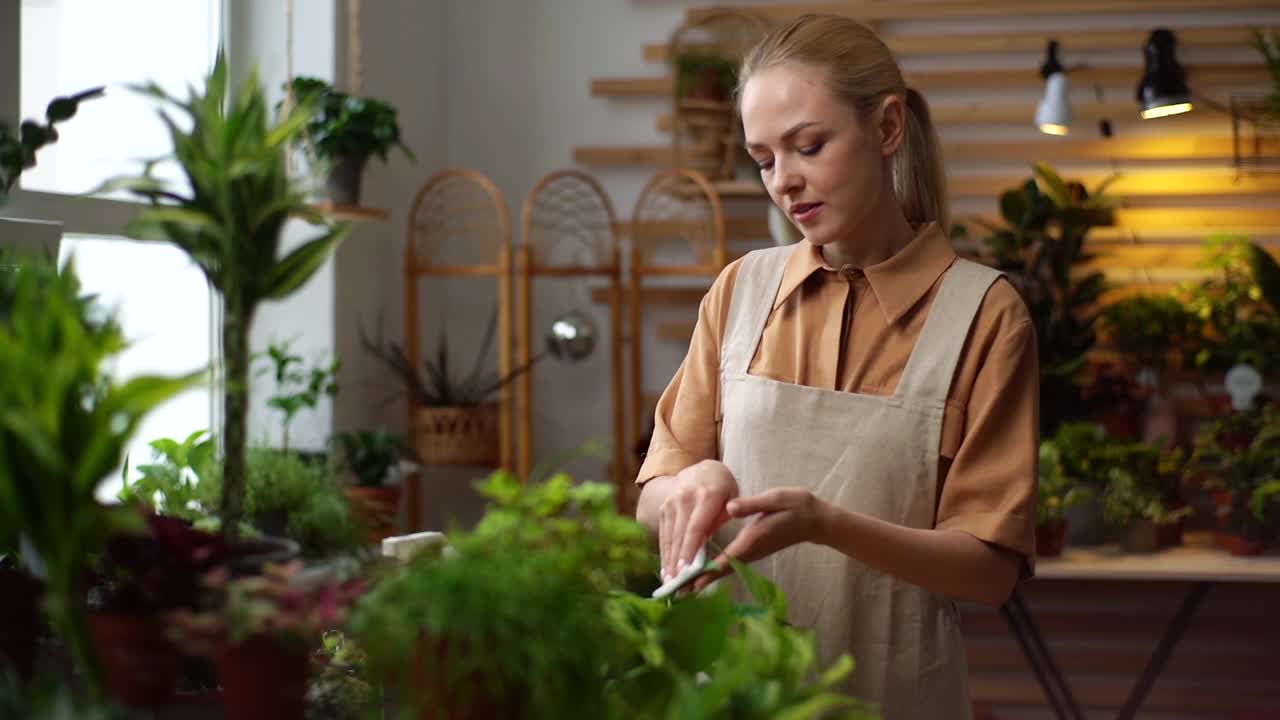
x,y
1163,90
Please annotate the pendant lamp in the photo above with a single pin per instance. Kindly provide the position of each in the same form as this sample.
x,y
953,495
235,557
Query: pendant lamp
x,y
1163,90
1053,113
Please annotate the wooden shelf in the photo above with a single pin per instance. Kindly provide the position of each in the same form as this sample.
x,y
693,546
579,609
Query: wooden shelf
x,y
355,213
1216,76
931,44
977,9
1172,148
948,114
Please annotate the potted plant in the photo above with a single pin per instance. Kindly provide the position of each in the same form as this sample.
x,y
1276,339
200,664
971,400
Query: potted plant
x,y
339,689
1042,249
1238,457
455,418
63,431
1138,501
370,456
231,222
170,484
1083,451
262,630
344,132
139,579
532,614
1116,400
1058,493
298,388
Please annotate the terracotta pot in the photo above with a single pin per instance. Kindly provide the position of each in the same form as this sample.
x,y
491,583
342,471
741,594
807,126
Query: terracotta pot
x,y
1237,544
1051,537
139,660
263,679
19,620
1122,424
376,508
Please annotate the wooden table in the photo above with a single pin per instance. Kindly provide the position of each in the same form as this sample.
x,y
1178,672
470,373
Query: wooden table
x,y
1202,567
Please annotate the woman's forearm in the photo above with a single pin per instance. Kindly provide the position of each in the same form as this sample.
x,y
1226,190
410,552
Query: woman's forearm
x,y
949,562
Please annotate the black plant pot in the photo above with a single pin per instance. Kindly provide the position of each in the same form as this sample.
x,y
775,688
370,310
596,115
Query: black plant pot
x,y
343,184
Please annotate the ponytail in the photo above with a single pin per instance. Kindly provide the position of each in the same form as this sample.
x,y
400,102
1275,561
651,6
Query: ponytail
x,y
919,175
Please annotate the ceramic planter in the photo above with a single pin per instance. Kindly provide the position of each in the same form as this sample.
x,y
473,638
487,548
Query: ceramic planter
x,y
1141,537
345,179
376,508
263,679
1051,537
140,662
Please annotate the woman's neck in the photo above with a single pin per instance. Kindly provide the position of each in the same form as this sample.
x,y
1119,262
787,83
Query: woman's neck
x,y
878,238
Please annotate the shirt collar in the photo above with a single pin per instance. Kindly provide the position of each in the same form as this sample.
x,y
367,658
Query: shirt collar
x,y
898,282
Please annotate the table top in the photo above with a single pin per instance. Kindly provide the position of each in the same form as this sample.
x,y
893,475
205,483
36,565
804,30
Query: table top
x,y
1190,563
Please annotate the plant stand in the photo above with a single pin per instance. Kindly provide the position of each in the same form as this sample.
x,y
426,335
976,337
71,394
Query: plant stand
x,y
676,207
565,212
459,227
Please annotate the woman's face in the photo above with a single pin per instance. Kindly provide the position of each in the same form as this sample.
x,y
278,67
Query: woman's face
x,y
823,165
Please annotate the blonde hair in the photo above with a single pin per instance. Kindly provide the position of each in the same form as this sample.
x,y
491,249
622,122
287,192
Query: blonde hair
x,y
862,72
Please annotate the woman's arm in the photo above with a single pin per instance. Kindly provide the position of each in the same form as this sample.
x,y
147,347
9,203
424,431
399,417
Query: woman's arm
x,y
949,562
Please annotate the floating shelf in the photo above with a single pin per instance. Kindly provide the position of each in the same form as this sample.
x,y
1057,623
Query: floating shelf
x,y
982,43
1218,75
355,213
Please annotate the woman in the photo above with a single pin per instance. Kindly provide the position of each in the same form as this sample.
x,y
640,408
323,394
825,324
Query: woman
x,y
857,414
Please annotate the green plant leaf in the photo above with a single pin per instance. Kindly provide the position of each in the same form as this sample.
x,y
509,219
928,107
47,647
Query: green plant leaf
x,y
295,269
696,629
1054,186
766,594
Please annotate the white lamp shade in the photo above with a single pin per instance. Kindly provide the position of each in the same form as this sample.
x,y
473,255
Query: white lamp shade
x,y
1053,113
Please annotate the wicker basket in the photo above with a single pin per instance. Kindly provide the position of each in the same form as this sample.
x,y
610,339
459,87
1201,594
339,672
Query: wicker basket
x,y
457,435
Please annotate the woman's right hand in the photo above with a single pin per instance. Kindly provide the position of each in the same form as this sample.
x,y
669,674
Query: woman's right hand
x,y
692,512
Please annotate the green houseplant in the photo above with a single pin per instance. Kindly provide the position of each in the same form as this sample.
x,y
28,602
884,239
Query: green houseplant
x,y
345,132
1238,458
369,456
531,614
63,429
455,416
1058,493
1142,497
298,388
1042,246
18,149
231,223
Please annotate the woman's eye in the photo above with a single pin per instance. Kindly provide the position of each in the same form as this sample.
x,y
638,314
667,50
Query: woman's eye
x,y
765,165
812,149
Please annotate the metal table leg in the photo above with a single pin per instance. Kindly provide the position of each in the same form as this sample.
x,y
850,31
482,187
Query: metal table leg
x,y
1052,681
1172,634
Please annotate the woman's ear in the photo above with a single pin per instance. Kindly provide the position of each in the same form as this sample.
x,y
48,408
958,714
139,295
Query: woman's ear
x,y
891,123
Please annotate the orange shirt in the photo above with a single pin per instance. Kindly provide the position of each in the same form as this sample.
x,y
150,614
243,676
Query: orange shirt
x,y
853,330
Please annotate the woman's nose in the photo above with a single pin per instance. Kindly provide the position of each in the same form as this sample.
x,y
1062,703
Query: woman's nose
x,y
784,180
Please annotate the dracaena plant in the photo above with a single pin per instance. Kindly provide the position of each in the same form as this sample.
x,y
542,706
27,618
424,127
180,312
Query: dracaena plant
x,y
230,218
63,428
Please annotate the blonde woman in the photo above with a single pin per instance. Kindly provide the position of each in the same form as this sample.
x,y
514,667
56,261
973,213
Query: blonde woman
x,y
857,414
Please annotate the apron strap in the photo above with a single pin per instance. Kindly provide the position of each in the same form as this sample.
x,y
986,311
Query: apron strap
x,y
754,291
933,361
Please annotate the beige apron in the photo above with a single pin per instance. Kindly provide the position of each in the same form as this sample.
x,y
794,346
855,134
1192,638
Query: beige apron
x,y
869,454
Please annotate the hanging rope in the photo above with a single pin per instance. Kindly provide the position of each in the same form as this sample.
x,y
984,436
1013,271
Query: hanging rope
x,y
355,48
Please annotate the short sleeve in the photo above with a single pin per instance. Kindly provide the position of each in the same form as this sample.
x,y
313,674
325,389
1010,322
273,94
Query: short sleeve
x,y
686,419
990,490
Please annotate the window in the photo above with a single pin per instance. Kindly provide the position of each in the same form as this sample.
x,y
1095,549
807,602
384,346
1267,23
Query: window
x,y
162,300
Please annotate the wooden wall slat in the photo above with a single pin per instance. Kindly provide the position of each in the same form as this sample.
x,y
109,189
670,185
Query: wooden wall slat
x,y
978,9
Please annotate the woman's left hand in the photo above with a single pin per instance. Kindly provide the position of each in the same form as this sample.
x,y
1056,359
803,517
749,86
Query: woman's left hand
x,y
777,519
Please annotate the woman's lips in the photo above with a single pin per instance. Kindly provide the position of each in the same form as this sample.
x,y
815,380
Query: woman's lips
x,y
805,213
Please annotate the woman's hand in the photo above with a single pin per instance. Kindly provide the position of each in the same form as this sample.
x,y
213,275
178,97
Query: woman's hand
x,y
694,510
778,519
